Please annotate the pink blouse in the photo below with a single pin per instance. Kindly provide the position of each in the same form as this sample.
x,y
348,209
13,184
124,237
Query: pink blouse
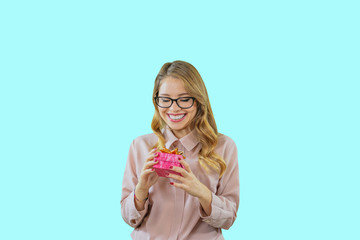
x,y
171,213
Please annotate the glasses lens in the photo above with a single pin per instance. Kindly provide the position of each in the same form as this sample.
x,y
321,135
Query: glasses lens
x,y
163,102
185,102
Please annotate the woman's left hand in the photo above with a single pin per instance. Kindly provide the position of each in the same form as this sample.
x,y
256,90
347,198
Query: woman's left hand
x,y
188,181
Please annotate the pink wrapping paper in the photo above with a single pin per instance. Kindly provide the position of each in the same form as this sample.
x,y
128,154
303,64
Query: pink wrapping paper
x,y
166,160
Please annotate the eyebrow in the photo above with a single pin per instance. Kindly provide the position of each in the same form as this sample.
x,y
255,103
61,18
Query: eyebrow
x,y
181,94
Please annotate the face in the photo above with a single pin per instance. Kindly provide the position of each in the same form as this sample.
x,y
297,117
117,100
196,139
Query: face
x,y
176,118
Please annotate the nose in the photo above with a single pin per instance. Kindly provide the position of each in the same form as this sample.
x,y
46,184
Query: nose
x,y
174,107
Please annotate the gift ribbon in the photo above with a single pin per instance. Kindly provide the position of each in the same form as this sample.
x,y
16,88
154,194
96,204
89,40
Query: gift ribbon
x,y
175,151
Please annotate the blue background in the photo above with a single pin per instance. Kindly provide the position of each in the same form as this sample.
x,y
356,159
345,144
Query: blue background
x,y
75,90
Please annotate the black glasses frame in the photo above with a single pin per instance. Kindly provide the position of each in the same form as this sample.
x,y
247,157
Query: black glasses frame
x,y
174,100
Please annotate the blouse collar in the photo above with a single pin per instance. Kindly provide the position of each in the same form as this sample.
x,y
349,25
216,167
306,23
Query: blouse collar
x,y
189,141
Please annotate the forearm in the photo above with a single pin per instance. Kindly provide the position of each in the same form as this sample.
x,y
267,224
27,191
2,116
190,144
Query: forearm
x,y
205,201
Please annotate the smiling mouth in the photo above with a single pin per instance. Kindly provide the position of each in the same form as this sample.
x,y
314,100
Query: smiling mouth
x,y
177,117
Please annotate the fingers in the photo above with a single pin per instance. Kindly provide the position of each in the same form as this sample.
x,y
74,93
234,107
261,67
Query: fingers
x,y
185,164
149,164
153,151
178,185
148,171
180,170
152,154
176,177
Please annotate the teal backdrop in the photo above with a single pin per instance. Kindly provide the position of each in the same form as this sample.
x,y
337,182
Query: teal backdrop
x,y
76,81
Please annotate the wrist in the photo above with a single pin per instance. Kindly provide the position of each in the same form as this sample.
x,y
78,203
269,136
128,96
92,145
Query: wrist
x,y
141,199
206,195
140,192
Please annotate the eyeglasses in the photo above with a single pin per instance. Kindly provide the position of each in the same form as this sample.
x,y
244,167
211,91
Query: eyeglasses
x,y
182,102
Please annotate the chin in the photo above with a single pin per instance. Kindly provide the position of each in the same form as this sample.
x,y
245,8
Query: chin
x,y
175,127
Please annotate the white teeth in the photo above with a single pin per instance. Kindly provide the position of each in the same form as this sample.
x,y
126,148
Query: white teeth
x,y
177,117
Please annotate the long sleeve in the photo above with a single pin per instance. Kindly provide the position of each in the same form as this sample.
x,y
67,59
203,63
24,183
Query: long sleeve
x,y
225,201
130,214
170,212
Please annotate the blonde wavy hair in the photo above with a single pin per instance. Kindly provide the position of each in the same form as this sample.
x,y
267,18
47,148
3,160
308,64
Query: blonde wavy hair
x,y
203,122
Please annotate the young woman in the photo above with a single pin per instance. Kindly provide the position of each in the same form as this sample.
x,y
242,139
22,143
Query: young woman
x,y
205,198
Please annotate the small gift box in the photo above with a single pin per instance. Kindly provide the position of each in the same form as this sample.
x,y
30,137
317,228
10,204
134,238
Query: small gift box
x,y
167,159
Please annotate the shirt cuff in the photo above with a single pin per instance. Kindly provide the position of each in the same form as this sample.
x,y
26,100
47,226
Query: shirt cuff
x,y
215,210
136,216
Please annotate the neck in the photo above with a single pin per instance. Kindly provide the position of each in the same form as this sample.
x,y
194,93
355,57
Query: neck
x,y
181,133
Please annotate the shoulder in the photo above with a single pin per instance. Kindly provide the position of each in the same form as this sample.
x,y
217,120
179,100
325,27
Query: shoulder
x,y
225,141
147,140
226,148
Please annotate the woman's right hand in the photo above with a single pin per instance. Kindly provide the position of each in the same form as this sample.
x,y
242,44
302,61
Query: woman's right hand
x,y
148,176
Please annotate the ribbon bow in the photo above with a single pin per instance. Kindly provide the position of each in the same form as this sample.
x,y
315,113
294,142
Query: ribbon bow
x,y
175,151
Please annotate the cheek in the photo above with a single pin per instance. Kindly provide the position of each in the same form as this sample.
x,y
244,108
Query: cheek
x,y
162,112
192,114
